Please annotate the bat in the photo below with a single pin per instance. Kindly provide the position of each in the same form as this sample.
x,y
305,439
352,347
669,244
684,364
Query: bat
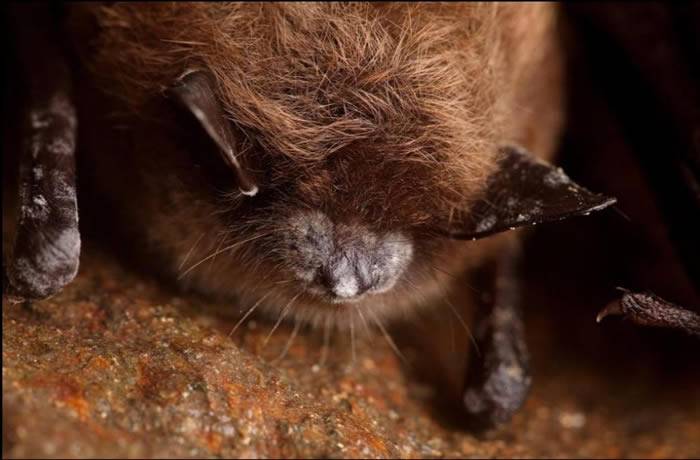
x,y
315,161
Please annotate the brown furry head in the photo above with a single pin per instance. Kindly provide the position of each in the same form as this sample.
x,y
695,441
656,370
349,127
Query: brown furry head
x,y
364,126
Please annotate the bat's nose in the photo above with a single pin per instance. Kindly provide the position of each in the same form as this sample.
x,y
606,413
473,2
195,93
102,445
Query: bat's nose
x,y
343,262
340,279
347,274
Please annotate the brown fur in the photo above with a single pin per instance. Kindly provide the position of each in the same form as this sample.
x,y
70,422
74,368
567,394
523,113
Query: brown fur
x,y
387,115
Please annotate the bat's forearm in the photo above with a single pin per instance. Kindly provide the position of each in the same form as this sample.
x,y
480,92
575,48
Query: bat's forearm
x,y
46,249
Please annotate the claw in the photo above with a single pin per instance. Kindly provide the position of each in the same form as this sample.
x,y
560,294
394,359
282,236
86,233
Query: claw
x,y
647,309
613,308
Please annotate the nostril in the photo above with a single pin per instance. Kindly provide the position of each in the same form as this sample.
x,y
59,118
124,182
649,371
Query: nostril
x,y
339,280
343,261
324,278
347,287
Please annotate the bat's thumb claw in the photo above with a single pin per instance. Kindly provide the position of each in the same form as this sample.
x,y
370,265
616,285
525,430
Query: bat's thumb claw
x,y
613,308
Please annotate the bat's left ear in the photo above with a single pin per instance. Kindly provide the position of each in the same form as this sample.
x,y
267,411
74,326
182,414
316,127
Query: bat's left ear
x,y
525,191
195,91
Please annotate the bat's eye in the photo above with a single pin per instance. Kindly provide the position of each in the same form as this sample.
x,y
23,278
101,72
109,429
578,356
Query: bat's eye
x,y
195,91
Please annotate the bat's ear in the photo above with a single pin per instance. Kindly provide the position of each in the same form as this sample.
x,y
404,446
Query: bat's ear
x,y
195,91
524,191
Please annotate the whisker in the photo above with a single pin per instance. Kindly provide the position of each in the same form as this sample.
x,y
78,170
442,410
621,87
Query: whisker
x,y
617,209
248,313
452,335
363,319
326,341
227,248
352,340
189,253
446,299
462,322
388,338
221,242
288,345
279,320
442,270
446,272
283,282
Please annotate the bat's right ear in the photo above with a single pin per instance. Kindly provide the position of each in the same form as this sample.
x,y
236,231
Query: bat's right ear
x,y
195,91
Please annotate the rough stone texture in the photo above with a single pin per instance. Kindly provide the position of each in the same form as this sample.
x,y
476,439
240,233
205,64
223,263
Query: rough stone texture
x,y
118,365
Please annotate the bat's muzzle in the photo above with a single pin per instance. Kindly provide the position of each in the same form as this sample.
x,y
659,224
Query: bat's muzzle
x,y
344,262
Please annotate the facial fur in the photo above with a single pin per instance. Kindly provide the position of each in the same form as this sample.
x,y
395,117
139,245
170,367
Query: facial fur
x,y
365,126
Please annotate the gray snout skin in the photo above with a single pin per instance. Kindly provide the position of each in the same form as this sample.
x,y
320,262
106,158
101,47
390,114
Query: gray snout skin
x,y
342,262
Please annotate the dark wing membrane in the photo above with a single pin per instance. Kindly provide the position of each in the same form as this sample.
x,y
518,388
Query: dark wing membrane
x,y
525,191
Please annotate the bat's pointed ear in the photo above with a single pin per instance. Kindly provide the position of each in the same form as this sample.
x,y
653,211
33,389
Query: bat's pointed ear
x,y
196,92
524,191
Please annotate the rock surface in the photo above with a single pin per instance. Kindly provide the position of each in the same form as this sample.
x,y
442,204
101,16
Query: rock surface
x,y
117,365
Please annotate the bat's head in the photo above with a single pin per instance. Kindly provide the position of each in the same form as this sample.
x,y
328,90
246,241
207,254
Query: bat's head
x,y
319,159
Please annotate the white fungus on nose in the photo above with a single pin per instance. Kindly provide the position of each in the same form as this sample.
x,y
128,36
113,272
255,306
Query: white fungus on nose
x,y
343,260
346,286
